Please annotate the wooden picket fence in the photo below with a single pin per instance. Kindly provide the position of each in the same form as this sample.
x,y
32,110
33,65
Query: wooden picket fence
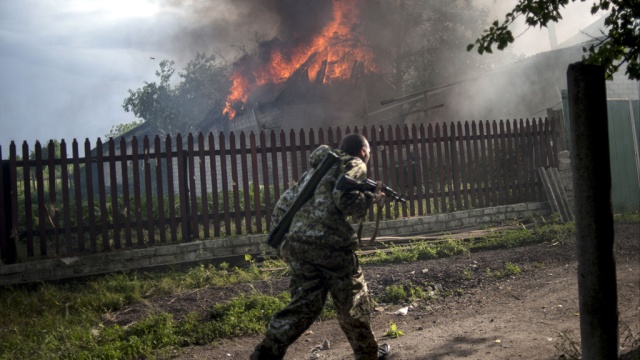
x,y
126,194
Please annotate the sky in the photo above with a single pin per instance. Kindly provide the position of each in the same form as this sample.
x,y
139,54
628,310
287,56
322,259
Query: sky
x,y
66,65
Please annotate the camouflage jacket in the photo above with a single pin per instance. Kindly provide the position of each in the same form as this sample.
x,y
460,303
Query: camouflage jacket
x,y
324,220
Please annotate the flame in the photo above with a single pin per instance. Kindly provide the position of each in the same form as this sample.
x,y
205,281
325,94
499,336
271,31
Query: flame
x,y
335,44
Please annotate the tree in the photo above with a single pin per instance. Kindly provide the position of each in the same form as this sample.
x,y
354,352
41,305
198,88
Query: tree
x,y
177,109
619,46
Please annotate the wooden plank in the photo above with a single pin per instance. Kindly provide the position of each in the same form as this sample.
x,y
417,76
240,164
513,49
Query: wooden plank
x,y
66,201
411,172
173,224
427,172
245,184
102,197
420,189
538,159
294,156
113,192
303,151
459,165
440,165
204,197
518,146
137,202
274,166
385,169
448,166
214,185
157,149
469,180
265,179
286,182
5,211
192,191
90,200
551,195
494,162
477,195
183,189
77,185
558,188
373,164
433,166
528,157
257,205
52,208
394,166
151,229
126,199
235,183
13,178
484,170
225,185
499,155
401,166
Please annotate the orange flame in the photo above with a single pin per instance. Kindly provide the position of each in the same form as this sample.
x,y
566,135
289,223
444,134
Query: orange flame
x,y
335,44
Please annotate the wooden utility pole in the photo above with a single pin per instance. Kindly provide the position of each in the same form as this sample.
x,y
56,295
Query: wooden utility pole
x,y
594,217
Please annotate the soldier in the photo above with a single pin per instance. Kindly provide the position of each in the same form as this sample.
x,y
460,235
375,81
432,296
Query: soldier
x,y
320,250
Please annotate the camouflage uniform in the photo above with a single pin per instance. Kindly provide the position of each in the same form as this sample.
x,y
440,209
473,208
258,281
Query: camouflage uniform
x,y
320,251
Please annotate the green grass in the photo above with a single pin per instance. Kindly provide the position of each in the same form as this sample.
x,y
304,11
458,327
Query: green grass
x,y
70,321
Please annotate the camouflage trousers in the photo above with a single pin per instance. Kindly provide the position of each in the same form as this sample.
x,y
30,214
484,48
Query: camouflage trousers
x,y
338,274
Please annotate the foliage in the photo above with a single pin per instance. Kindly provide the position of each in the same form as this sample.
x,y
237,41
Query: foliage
x,y
630,217
509,269
393,331
403,293
619,46
178,108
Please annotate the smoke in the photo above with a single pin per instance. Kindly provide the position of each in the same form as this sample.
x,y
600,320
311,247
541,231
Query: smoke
x,y
224,26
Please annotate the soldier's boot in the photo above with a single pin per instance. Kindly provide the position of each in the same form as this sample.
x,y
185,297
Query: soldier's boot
x,y
384,352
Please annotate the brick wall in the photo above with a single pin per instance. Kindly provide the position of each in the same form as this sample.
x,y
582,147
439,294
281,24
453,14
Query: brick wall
x,y
217,250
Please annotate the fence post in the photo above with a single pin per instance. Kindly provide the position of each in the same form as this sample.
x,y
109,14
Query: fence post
x,y
187,206
8,248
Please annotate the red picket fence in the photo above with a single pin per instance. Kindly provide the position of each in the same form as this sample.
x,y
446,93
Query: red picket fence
x,y
126,194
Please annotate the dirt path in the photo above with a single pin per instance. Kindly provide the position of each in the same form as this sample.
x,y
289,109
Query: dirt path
x,y
485,317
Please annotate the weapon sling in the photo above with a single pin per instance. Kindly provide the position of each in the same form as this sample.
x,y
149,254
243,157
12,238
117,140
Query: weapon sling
x,y
276,235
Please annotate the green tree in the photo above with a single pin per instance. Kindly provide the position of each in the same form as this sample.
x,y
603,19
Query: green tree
x,y
620,45
178,108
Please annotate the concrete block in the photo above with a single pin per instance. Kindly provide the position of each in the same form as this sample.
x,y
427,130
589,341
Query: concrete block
x,y
166,250
460,215
191,247
454,224
490,211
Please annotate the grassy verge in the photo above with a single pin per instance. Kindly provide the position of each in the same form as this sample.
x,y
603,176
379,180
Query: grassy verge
x,y
49,321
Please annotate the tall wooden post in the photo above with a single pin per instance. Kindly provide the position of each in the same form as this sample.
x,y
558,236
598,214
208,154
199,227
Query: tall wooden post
x,y
594,217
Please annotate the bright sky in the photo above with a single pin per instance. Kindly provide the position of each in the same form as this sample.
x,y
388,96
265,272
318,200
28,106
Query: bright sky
x,y
66,65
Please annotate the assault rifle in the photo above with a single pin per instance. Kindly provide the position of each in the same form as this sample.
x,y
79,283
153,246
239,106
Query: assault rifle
x,y
346,183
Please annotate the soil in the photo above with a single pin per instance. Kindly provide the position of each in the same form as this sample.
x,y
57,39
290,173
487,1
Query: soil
x,y
474,313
